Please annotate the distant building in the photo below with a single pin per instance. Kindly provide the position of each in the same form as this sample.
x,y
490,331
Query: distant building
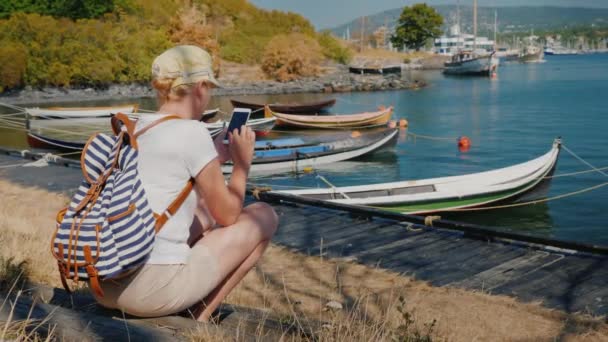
x,y
450,44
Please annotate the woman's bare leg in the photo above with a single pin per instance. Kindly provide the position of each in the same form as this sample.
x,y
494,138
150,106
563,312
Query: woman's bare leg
x,y
237,249
215,298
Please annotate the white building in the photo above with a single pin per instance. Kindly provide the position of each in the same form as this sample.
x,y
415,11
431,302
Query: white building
x,y
449,45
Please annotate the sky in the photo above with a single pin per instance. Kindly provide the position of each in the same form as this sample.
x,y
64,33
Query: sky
x,y
330,13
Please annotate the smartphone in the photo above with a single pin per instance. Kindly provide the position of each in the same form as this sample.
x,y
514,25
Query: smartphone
x,y
239,118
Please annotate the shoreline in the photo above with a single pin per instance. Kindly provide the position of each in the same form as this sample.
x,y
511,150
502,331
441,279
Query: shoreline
x,y
338,81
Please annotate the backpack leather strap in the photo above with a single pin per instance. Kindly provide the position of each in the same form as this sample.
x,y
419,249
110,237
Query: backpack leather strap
x,y
129,125
161,120
161,219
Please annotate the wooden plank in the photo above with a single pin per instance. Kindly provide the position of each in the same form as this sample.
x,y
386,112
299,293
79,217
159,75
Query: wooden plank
x,y
506,272
339,243
485,259
491,233
379,256
403,257
69,325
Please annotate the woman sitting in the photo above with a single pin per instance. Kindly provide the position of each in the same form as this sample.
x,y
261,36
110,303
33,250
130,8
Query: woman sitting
x,y
212,241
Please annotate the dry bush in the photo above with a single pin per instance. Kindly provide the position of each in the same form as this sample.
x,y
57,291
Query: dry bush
x,y
13,61
287,57
189,27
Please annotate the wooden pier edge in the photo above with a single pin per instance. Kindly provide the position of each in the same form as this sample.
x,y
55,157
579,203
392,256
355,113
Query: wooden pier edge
x,y
470,230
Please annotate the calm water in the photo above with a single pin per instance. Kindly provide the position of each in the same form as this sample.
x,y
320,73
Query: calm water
x,y
510,119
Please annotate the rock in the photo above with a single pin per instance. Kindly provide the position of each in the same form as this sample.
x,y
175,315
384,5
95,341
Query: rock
x,y
334,305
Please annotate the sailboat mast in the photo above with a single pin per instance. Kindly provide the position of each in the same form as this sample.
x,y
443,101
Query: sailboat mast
x,y
458,15
474,25
495,28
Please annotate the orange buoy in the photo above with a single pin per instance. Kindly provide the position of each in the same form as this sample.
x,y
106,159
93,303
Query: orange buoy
x,y
261,133
392,124
355,134
403,123
464,143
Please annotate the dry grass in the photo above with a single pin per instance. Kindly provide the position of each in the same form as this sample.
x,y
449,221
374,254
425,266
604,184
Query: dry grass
x,y
236,73
27,221
297,288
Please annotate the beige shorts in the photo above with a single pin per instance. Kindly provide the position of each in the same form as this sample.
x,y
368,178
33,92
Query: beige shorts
x,y
159,290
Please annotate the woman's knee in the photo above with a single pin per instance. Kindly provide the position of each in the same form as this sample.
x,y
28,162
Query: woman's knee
x,y
266,217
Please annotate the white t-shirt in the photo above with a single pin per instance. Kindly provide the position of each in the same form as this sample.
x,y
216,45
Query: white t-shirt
x,y
169,155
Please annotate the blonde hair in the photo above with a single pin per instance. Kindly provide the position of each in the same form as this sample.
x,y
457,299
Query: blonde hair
x,y
165,91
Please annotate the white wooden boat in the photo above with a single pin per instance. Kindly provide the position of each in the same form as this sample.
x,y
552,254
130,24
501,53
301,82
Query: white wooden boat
x,y
341,121
258,125
444,193
469,63
296,159
79,112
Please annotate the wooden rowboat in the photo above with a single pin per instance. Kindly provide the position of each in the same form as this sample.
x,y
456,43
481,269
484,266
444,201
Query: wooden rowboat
x,y
79,112
48,142
351,121
71,134
291,108
296,159
258,125
445,193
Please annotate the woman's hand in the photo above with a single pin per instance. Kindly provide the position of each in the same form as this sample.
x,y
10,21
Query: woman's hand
x,y
223,153
241,147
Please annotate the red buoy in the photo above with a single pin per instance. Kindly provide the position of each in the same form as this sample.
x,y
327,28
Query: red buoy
x,y
464,143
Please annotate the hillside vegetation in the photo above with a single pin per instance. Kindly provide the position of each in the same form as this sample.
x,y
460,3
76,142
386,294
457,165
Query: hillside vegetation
x,y
93,43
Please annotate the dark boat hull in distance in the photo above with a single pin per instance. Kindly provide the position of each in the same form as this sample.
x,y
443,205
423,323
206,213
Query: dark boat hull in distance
x,y
392,69
290,108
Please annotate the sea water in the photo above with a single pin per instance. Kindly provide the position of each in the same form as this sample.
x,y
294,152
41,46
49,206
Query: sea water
x,y
510,119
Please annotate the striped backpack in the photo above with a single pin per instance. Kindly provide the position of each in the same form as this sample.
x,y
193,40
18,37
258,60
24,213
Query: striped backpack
x,y
108,229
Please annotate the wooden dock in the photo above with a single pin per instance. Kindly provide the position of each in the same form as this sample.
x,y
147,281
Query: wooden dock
x,y
565,279
563,275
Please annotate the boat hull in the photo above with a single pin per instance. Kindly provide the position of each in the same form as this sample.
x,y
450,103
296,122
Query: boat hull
x,y
446,193
347,121
481,66
295,160
296,108
532,57
80,112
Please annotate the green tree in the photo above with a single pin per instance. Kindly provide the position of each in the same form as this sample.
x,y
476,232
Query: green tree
x,y
416,25
75,9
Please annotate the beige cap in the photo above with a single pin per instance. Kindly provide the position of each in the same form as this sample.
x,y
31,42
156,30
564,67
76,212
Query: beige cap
x,y
186,63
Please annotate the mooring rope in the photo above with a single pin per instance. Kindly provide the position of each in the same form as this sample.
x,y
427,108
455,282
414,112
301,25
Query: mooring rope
x,y
430,137
7,105
543,200
41,162
583,160
577,172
